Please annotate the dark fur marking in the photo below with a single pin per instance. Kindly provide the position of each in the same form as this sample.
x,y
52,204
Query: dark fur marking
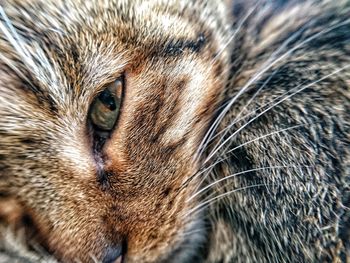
x,y
177,47
28,141
103,179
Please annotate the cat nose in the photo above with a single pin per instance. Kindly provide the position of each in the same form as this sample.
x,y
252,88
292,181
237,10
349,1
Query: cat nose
x,y
113,255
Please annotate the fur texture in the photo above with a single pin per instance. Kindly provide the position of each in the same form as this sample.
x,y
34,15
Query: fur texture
x,y
232,144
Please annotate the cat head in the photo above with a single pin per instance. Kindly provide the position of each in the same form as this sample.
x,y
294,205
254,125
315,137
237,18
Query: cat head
x,y
103,106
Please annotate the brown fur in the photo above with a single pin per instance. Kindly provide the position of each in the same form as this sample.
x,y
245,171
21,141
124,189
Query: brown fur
x,y
181,68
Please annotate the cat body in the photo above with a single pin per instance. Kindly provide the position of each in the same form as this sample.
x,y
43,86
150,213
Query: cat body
x,y
231,143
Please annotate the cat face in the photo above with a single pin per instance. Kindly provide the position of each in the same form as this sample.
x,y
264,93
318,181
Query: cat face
x,y
123,193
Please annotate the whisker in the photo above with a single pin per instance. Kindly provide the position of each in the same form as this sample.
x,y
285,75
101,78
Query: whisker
x,y
237,118
240,173
255,111
36,62
274,105
261,72
242,90
238,29
218,197
280,101
264,136
14,38
241,145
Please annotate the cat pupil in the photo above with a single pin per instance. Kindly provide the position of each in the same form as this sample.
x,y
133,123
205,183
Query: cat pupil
x,y
108,100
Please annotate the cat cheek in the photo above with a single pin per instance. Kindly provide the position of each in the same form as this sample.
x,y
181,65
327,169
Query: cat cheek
x,y
148,216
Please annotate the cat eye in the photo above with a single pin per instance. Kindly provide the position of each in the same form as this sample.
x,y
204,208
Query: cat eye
x,y
105,108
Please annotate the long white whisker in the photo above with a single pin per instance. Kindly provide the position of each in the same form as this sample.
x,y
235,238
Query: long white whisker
x,y
244,144
242,90
267,135
15,39
237,118
260,73
240,173
263,112
254,111
238,29
210,201
33,57
274,105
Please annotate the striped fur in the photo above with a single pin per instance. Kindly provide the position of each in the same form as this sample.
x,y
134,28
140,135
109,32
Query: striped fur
x,y
232,144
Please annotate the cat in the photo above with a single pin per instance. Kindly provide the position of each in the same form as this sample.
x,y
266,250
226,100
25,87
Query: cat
x,y
174,131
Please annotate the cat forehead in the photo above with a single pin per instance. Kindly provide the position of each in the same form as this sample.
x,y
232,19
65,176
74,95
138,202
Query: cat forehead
x,y
147,18
85,44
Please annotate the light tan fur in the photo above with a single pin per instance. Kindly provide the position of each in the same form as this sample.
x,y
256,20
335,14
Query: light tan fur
x,y
232,143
